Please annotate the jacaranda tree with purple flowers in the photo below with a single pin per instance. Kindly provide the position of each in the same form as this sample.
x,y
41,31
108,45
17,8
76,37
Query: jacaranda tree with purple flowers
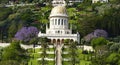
x,y
26,34
100,33
96,33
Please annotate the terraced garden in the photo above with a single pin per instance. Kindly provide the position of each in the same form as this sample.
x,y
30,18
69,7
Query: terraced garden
x,y
35,57
85,59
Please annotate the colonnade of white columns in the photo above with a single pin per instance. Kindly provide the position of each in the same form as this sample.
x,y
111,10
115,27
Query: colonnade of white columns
x,y
58,23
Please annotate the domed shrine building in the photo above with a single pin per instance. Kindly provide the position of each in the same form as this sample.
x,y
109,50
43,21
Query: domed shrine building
x,y
58,29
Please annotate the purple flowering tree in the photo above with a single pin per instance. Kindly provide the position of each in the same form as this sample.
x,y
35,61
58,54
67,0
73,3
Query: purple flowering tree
x,y
26,34
100,33
96,33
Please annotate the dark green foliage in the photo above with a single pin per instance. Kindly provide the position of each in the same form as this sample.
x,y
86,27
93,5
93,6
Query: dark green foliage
x,y
113,59
101,50
13,52
115,39
115,47
4,13
73,53
103,16
87,26
44,45
99,42
27,16
85,52
1,50
9,62
115,1
87,2
110,21
4,1
12,29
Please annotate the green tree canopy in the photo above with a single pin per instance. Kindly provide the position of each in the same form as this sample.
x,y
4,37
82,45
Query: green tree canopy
x,y
113,59
13,52
98,42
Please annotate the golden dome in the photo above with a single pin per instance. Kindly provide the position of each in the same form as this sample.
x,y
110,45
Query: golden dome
x,y
59,11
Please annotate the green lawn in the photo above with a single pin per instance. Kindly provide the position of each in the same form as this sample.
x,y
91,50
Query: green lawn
x,y
35,55
50,55
51,49
65,55
37,50
33,62
65,62
83,62
51,63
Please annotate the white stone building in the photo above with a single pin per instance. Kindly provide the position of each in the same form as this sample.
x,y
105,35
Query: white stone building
x,y
58,29
58,3
101,1
75,1
62,2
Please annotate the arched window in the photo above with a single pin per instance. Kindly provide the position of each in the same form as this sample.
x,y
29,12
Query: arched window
x,y
55,21
67,32
58,21
58,31
62,22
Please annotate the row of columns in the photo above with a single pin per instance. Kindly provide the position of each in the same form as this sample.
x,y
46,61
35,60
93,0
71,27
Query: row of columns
x,y
58,21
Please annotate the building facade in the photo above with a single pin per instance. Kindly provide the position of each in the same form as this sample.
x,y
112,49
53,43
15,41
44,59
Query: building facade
x,y
58,28
62,2
75,1
58,3
101,1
